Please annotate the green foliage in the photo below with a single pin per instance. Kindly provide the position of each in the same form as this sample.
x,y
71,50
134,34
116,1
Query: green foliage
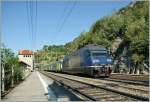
x,y
130,24
18,73
137,58
11,66
49,54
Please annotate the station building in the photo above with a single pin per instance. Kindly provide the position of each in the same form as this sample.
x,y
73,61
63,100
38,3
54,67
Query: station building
x,y
26,58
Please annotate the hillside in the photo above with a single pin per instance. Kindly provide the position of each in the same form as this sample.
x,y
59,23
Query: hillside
x,y
129,24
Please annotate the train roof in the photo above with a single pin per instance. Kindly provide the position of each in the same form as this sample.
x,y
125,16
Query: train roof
x,y
93,47
90,47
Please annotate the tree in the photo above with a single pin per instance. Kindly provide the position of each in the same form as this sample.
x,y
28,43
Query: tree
x,y
13,72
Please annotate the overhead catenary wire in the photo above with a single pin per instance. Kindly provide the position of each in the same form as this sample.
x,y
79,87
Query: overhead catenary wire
x,y
31,7
28,21
31,17
32,20
62,16
66,17
64,20
35,22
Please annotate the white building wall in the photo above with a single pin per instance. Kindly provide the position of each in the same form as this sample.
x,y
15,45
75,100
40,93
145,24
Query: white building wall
x,y
27,59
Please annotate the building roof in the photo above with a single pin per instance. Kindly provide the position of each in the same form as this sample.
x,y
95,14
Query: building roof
x,y
25,52
24,63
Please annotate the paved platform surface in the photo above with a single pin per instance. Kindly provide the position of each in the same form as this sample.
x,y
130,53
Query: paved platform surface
x,y
28,91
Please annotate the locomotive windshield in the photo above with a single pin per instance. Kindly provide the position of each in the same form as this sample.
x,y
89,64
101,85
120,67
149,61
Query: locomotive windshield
x,y
98,53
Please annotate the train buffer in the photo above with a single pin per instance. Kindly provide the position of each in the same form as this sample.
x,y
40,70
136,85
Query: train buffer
x,y
39,88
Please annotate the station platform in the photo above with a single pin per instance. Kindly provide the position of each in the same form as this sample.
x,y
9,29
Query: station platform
x,y
29,90
39,88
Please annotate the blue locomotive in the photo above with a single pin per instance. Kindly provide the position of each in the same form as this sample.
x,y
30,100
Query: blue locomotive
x,y
92,60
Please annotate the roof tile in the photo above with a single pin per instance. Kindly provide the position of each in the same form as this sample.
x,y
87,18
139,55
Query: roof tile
x,y
25,52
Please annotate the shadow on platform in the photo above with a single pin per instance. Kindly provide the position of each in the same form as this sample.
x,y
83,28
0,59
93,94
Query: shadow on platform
x,y
57,92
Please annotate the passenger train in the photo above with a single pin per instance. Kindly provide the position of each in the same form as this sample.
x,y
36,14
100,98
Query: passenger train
x,y
93,60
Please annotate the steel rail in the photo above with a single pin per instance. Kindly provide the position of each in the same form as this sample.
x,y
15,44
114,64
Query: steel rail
x,y
93,86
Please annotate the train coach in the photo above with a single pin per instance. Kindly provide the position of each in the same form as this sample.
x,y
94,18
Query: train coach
x,y
93,60
56,66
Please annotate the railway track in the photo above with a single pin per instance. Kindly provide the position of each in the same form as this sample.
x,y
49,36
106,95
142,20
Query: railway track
x,y
132,77
133,82
96,91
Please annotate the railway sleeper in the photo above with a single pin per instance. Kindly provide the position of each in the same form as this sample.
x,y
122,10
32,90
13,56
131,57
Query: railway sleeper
x,y
76,86
104,96
128,82
89,89
126,94
83,88
98,93
118,99
133,89
92,92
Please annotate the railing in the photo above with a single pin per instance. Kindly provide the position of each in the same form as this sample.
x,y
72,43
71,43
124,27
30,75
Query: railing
x,y
10,79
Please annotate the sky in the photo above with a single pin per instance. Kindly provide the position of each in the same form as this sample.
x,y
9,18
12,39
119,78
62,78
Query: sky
x,y
56,22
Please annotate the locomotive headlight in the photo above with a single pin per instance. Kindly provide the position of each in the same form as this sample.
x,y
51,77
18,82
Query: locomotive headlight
x,y
95,61
109,60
